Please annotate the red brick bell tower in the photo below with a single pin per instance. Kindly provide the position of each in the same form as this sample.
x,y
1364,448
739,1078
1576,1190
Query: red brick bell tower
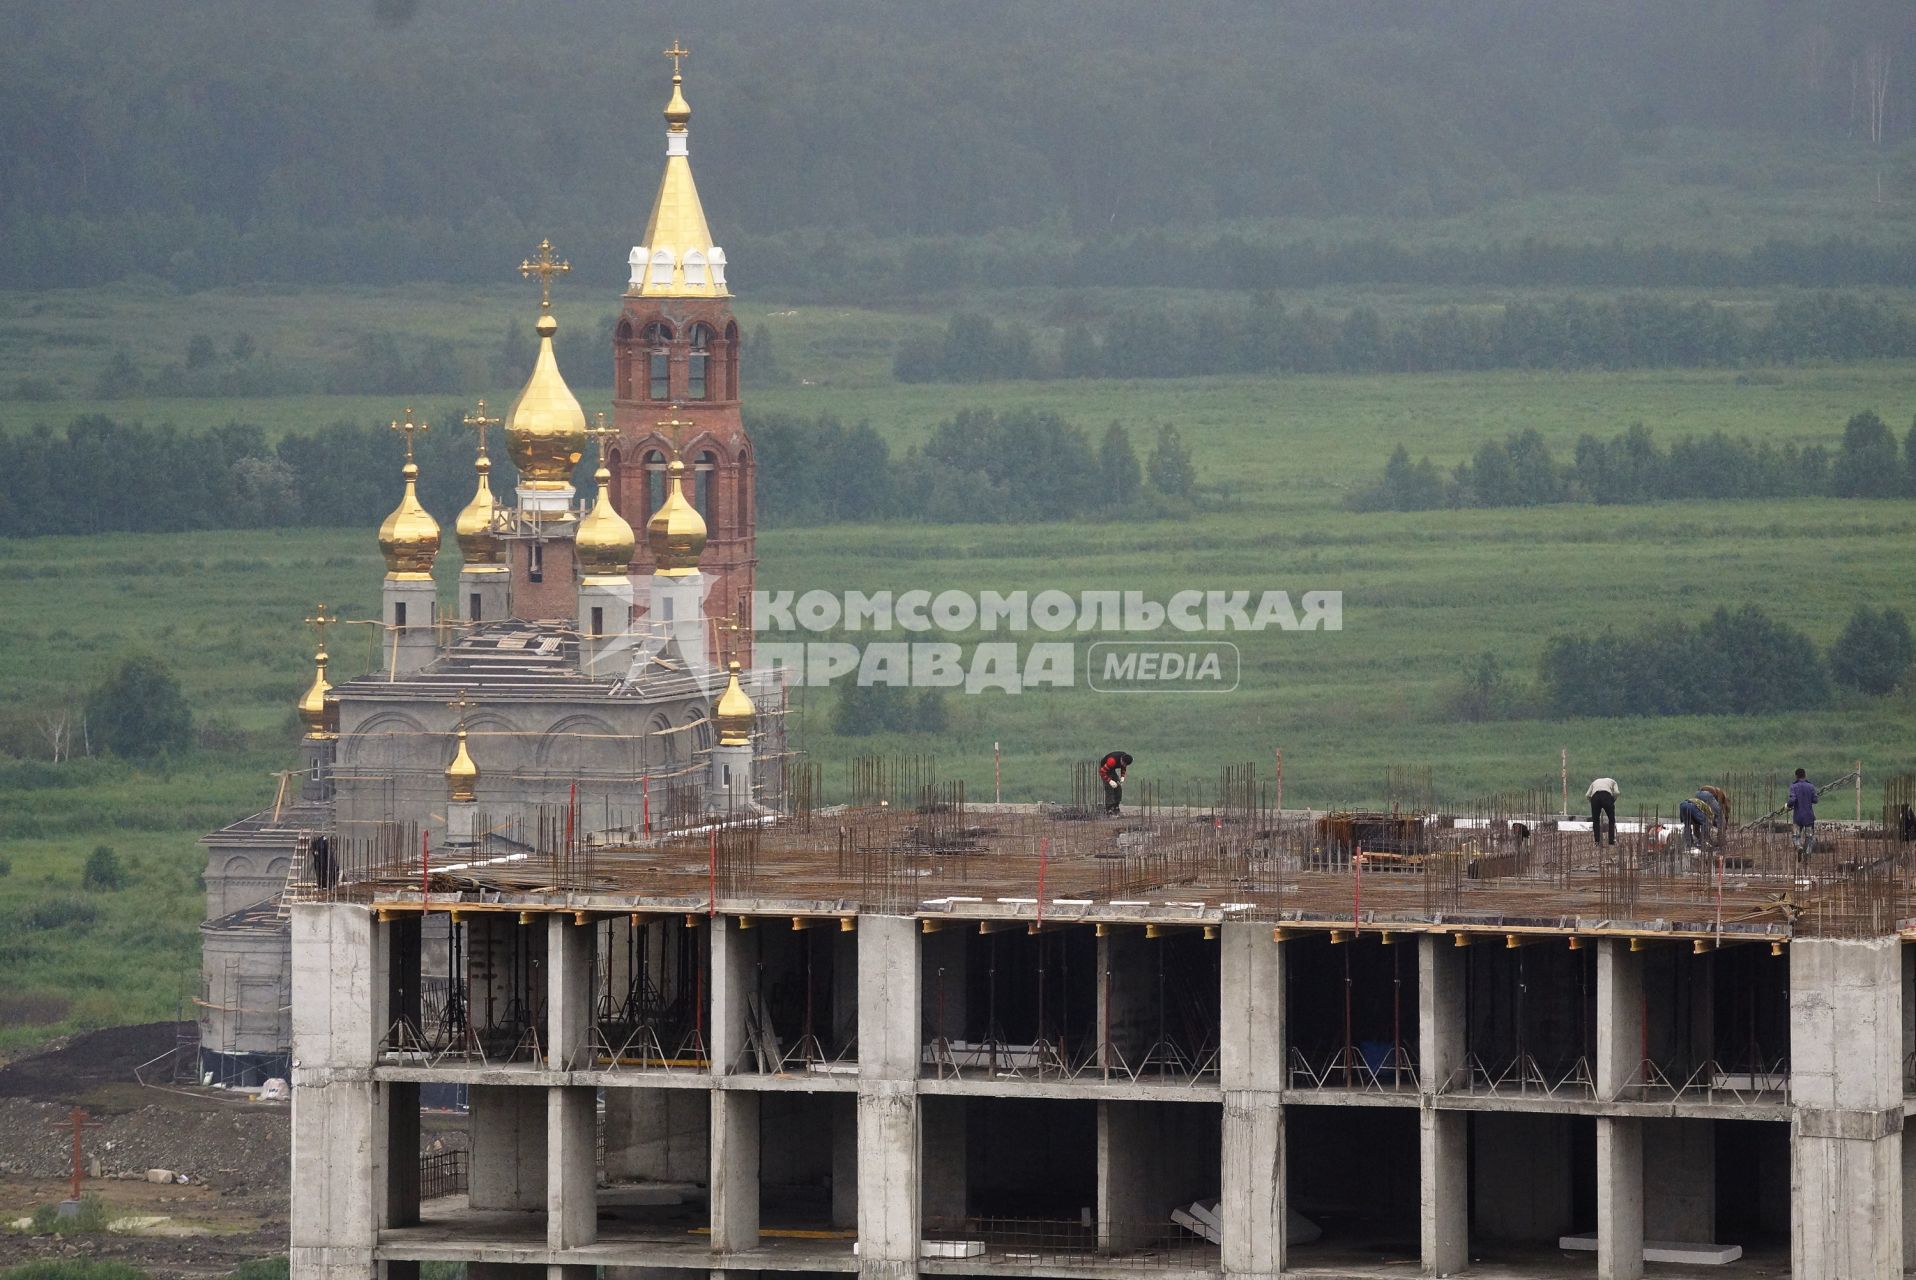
x,y
675,355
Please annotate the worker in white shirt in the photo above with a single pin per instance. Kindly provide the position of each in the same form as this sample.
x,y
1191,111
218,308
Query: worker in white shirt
x,y
1603,801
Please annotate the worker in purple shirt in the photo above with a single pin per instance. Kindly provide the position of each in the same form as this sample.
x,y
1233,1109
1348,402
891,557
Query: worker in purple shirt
x,y
1803,814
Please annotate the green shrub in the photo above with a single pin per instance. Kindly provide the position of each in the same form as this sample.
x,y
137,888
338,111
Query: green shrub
x,y
104,871
274,1268
72,1269
47,1220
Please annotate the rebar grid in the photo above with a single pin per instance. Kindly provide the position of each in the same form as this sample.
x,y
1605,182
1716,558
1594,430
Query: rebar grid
x,y
915,844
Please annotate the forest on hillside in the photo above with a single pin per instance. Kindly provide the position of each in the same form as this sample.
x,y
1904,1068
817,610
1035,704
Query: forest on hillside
x,y
370,141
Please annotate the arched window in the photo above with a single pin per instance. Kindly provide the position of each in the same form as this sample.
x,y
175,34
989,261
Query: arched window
x,y
622,364
698,365
742,497
661,267
718,266
654,484
706,467
731,361
658,380
636,261
615,463
694,267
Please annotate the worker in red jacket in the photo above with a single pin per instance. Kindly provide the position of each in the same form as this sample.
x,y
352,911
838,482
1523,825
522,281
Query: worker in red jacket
x,y
1111,773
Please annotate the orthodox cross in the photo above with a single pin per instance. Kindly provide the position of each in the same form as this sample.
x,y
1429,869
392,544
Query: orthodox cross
x,y
408,426
319,622
545,266
672,426
731,625
462,704
78,1119
676,52
601,432
478,421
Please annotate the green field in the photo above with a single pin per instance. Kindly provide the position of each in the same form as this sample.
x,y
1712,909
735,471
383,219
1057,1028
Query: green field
x,y
1424,594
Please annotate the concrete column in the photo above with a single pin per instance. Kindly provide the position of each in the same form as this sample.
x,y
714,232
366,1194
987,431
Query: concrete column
x,y
1443,1137
1846,1140
1251,991
889,1023
735,1170
1619,1139
734,974
569,954
1125,1157
509,1148
1253,1199
572,1165
340,1000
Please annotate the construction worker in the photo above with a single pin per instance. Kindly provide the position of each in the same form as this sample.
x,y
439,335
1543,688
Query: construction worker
x,y
1602,795
1713,808
1722,799
1696,823
1111,773
1803,815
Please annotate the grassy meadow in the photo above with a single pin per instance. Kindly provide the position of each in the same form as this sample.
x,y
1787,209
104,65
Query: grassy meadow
x,y
1424,595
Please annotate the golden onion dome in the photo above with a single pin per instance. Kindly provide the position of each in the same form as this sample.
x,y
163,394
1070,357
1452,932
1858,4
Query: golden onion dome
x,y
545,428
462,775
678,112
409,537
735,713
320,719
605,541
676,531
477,542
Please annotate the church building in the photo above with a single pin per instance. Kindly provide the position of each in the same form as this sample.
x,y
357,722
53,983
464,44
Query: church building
x,y
594,673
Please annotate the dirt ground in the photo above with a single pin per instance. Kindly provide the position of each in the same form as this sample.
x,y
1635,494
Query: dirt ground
x,y
233,1151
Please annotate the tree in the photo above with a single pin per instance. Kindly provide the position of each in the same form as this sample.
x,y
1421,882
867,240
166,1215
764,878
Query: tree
x,y
1874,652
1485,692
1118,473
1866,466
140,710
200,351
1170,466
103,873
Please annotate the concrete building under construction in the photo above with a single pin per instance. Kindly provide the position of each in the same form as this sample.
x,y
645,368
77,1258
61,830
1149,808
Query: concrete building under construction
x,y
554,854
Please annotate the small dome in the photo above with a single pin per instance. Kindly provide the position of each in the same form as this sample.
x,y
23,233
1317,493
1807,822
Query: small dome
x,y
735,714
545,428
605,541
321,720
676,531
409,537
678,112
462,775
477,542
